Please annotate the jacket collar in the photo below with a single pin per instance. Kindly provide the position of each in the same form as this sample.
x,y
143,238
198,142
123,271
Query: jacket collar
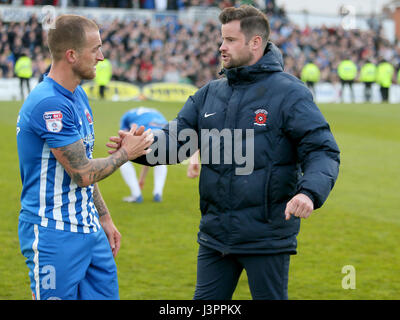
x,y
271,61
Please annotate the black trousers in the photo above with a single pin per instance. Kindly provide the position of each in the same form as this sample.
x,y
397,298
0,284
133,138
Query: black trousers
x,y
348,83
102,90
368,91
218,275
23,81
385,94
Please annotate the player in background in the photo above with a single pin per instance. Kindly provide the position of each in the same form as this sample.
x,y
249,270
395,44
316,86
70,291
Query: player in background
x,y
65,229
150,119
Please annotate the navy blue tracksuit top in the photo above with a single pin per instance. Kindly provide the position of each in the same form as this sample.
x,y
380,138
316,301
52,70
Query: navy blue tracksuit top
x,y
294,152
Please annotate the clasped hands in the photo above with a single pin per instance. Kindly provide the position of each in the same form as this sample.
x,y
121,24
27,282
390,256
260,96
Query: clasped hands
x,y
135,142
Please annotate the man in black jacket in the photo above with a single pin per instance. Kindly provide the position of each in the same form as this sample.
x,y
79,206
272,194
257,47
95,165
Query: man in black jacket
x,y
251,206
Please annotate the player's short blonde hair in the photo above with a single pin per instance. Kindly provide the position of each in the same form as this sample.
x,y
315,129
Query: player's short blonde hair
x,y
69,33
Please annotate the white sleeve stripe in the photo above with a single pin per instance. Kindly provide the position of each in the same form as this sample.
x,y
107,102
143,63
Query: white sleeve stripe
x,y
43,181
58,181
85,210
71,206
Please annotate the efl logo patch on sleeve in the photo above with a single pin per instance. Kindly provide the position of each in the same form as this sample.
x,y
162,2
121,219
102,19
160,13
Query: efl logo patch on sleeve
x,y
53,120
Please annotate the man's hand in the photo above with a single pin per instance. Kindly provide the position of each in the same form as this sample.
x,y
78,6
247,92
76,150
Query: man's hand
x,y
193,169
135,142
300,206
113,235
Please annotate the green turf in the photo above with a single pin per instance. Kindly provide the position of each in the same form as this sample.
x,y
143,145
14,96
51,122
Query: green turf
x,y
359,224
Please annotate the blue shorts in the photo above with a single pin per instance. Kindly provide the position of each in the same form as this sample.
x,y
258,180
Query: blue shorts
x,y
67,265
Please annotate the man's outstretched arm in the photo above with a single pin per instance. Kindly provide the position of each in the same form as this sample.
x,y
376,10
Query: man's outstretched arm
x,y
84,171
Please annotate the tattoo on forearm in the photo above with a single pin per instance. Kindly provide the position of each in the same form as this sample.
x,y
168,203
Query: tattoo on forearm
x,y
82,169
99,201
102,168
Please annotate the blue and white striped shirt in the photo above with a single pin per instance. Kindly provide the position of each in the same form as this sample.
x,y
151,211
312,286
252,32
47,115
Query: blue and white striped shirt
x,y
53,117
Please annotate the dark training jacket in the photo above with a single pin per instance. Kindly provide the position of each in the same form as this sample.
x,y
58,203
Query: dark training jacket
x,y
294,152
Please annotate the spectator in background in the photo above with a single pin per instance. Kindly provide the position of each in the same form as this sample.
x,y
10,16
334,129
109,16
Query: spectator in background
x,y
398,76
103,76
195,44
368,77
384,77
347,71
23,70
310,75
158,71
171,73
7,60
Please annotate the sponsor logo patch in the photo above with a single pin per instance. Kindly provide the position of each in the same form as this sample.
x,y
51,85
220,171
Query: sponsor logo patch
x,y
53,120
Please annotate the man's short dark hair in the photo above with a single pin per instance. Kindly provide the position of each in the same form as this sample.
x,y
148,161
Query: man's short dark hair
x,y
252,21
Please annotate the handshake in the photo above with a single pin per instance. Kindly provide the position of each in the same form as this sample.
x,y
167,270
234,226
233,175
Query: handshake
x,y
133,143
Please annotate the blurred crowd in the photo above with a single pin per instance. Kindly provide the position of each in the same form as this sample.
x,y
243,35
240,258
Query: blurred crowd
x,y
327,47
142,4
173,51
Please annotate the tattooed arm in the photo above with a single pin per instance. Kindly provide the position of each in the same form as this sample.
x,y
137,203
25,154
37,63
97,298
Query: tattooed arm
x,y
113,235
84,171
99,201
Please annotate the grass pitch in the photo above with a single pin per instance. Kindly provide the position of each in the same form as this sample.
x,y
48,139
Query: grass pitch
x,y
359,224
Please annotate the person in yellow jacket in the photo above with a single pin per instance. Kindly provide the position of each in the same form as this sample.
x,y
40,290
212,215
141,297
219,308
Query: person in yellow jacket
x,y
368,77
103,75
310,75
23,70
384,77
347,71
398,76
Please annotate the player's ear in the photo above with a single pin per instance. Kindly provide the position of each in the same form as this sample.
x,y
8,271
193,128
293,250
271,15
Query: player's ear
x,y
71,55
256,42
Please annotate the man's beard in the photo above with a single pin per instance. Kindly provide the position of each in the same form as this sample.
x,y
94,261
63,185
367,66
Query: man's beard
x,y
240,61
84,73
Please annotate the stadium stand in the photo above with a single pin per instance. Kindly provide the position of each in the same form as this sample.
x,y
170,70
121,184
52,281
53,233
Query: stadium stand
x,y
172,50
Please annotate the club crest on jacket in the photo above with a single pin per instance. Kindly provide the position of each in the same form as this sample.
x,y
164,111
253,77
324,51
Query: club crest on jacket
x,y
260,118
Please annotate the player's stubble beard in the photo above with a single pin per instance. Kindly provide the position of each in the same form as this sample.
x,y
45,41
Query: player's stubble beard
x,y
84,71
242,60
